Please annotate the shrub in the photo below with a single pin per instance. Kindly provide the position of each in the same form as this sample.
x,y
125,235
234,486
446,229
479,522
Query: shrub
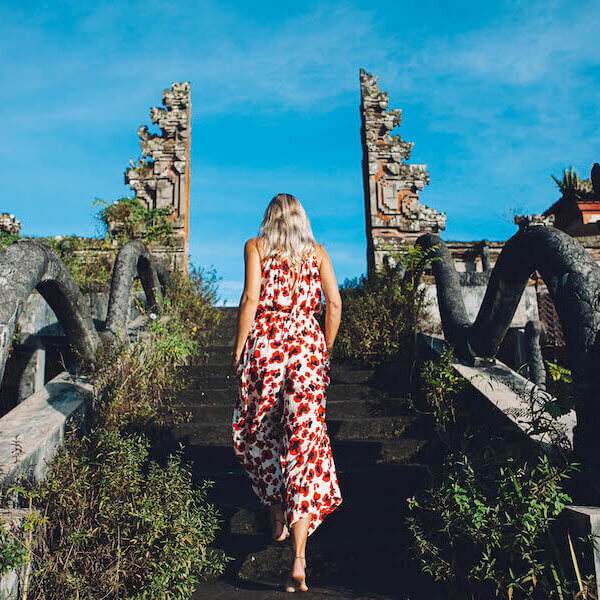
x,y
383,311
438,387
12,550
136,383
192,298
7,238
90,260
483,530
129,218
120,526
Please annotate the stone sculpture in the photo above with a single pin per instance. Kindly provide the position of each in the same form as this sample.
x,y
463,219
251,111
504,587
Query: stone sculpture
x,y
573,280
29,264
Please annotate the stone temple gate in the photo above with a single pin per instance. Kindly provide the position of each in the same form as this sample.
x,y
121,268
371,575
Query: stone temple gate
x,y
161,179
392,208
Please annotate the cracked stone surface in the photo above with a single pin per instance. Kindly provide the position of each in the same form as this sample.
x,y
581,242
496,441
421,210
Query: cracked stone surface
x,y
573,280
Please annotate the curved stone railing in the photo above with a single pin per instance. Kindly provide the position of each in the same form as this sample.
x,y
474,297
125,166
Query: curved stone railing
x,y
133,259
30,264
573,280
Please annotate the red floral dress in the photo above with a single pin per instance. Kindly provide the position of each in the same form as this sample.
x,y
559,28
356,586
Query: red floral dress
x,y
279,431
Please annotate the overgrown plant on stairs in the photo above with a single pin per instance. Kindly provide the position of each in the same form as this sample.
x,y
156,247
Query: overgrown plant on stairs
x,y
116,524
484,527
384,310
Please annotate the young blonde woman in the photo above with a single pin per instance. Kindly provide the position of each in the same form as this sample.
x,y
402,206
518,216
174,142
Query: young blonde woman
x,y
281,357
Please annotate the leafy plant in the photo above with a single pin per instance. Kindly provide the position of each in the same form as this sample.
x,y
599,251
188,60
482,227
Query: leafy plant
x,y
129,218
8,238
121,526
117,525
12,549
383,311
482,529
192,298
570,184
137,382
439,385
90,260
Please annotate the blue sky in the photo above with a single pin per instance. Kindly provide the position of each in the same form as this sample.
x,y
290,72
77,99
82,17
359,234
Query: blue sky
x,y
496,97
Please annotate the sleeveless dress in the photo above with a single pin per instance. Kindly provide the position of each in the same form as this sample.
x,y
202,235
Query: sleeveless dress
x,y
279,431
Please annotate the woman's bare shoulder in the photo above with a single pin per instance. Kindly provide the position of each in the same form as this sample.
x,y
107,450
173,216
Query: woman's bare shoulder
x,y
320,252
255,244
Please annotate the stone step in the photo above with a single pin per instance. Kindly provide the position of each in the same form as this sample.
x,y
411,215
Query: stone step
x,y
343,373
227,329
385,485
221,458
232,588
381,560
219,354
338,391
223,411
192,398
339,373
388,427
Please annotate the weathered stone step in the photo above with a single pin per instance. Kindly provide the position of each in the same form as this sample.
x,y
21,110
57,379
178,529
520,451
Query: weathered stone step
x,y
388,427
335,392
221,458
342,373
387,486
227,329
219,354
339,373
214,410
231,588
379,559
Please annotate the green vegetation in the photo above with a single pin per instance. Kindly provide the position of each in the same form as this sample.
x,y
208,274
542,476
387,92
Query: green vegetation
x,y
484,528
12,550
121,526
437,388
128,218
382,312
7,238
137,382
90,260
115,523
569,184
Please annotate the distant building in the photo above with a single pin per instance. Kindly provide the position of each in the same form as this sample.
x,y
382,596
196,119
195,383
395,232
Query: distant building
x,y
577,211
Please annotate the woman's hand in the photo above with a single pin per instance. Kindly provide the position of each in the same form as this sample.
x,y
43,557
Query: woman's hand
x,y
329,354
235,361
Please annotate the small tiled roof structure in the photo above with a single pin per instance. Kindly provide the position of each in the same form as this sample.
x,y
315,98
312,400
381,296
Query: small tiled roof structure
x,y
579,213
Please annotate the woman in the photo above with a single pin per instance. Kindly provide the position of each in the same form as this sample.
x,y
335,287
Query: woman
x,y
282,358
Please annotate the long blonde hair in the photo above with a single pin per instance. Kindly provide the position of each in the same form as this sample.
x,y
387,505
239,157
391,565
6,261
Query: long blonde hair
x,y
285,229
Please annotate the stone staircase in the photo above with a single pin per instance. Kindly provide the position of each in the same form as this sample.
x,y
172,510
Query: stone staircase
x,y
362,550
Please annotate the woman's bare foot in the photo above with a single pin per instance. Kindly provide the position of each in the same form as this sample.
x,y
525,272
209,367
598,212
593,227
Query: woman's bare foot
x,y
297,580
279,528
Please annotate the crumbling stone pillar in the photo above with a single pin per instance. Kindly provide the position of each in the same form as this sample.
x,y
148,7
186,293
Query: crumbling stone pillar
x,y
392,208
161,179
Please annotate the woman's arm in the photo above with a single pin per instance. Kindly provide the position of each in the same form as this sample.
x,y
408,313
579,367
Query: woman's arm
x,y
250,297
333,300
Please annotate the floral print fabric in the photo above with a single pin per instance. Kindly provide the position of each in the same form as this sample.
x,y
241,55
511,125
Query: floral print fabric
x,y
279,431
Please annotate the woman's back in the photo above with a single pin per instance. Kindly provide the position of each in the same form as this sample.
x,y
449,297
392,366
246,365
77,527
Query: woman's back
x,y
290,287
